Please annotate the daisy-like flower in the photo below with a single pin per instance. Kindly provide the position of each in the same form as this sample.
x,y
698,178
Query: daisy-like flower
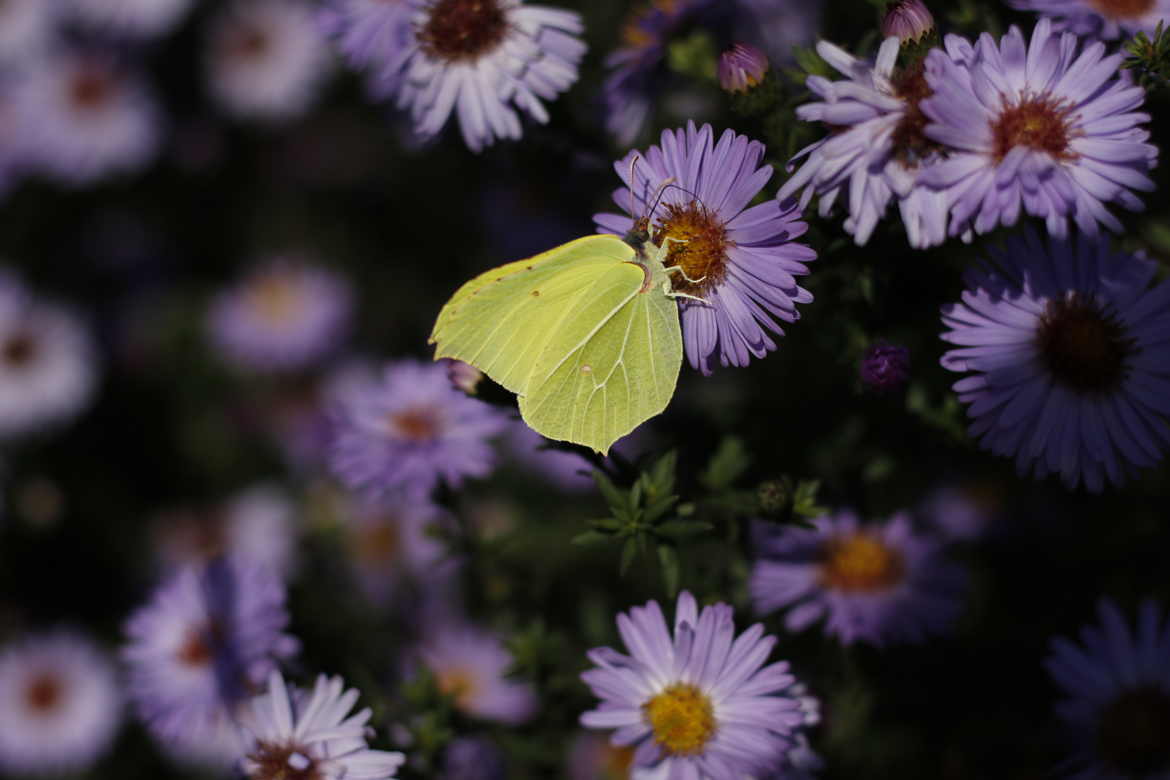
x,y
47,362
1116,683
1066,346
697,702
298,734
200,648
284,316
391,546
882,583
266,59
372,35
26,28
484,60
1106,19
1035,127
88,116
468,665
131,18
877,151
741,261
60,705
408,429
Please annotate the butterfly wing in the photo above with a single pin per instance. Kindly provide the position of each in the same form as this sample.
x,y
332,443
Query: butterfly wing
x,y
502,320
611,365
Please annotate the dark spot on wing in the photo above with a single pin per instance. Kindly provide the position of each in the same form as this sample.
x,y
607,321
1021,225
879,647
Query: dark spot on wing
x,y
536,293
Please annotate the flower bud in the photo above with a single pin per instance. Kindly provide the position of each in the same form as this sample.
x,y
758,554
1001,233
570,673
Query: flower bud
x,y
885,367
742,67
463,376
909,20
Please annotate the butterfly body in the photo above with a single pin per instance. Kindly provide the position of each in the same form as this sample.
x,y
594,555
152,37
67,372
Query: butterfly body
x,y
587,335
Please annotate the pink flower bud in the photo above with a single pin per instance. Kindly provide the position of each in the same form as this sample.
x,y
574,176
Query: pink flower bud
x,y
742,67
909,20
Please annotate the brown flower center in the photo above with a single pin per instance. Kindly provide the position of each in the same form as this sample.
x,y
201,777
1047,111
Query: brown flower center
x,y
18,350
697,242
860,562
682,719
90,89
1134,732
1083,348
1041,123
248,42
282,762
459,30
1123,9
418,424
277,298
911,144
379,544
44,693
196,650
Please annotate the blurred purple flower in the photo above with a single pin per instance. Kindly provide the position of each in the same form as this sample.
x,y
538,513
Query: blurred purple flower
x,y
27,29
744,260
47,362
1035,127
482,59
87,116
199,649
60,704
473,758
742,67
286,315
289,733
962,511
885,367
137,19
1066,344
390,546
266,59
882,583
1105,19
407,430
464,376
1116,684
469,665
372,35
696,701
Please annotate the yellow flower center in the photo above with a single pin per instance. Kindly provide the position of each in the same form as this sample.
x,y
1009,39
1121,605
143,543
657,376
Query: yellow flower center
x,y
460,684
697,243
681,718
861,563
635,33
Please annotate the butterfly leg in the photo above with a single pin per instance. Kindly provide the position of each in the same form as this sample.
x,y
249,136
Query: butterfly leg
x,y
682,271
670,293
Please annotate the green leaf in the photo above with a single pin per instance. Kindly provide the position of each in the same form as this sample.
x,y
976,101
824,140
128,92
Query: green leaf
x,y
678,529
614,497
668,558
629,550
589,538
728,464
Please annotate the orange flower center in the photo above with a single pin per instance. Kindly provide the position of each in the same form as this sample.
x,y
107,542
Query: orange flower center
x,y
636,32
418,424
697,242
1123,9
463,29
1134,732
1041,123
1084,348
460,684
682,719
43,693
861,563
276,298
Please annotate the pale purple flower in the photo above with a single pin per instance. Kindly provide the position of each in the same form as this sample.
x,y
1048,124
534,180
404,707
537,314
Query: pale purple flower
x,y
962,511
881,582
469,664
266,59
48,369
1116,686
1035,127
409,429
907,20
473,758
484,60
885,367
286,315
1104,19
138,19
372,35
393,546
464,376
1067,348
27,28
288,733
60,704
877,152
742,67
201,647
742,260
89,117
698,701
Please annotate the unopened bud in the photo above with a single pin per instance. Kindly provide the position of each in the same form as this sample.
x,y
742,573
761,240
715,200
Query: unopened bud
x,y
742,67
885,367
909,20
464,376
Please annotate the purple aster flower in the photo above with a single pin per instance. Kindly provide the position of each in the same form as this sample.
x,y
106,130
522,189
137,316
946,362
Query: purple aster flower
x,y
885,367
409,428
483,60
882,583
286,315
742,67
743,260
1106,19
391,546
469,665
130,18
372,35
877,151
1066,344
60,704
698,701
907,20
289,733
473,758
1117,695
200,648
47,362
27,28
1036,127
266,59
962,511
88,117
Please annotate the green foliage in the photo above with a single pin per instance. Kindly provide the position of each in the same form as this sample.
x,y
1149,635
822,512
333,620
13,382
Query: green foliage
x,y
1149,58
694,56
